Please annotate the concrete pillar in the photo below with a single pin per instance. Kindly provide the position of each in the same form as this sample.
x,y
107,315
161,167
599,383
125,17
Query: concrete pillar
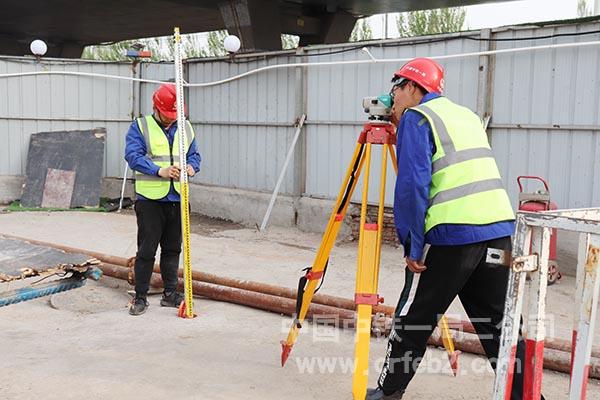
x,y
66,50
338,27
256,22
332,28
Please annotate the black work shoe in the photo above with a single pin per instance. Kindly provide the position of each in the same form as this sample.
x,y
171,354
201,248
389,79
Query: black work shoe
x,y
377,394
138,306
171,299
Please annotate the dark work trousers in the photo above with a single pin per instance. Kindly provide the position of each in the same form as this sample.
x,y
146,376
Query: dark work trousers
x,y
451,271
158,223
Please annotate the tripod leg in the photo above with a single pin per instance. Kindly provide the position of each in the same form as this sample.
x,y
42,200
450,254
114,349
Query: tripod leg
x,y
367,276
393,157
315,273
449,344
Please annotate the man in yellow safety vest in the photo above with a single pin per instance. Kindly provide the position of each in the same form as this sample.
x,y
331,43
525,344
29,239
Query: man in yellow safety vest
x,y
449,195
152,151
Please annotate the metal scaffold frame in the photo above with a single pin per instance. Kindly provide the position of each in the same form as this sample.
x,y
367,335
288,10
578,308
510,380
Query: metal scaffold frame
x,y
530,258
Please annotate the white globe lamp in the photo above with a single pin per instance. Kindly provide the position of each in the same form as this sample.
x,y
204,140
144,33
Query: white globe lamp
x,y
38,47
232,43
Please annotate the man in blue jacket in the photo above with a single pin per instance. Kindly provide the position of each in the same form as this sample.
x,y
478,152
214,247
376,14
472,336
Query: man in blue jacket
x,y
449,195
152,151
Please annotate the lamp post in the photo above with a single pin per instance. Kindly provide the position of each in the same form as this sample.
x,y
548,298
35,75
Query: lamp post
x,y
232,45
38,48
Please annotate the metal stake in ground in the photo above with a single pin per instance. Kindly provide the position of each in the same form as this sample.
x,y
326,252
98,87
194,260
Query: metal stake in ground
x,y
186,309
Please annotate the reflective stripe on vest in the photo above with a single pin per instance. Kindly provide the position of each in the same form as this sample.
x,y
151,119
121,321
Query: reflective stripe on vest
x,y
465,184
159,151
451,156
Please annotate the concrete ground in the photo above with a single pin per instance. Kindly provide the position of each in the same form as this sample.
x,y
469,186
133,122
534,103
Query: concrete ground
x,y
83,343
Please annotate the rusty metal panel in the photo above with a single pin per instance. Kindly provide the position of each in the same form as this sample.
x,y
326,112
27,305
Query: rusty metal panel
x,y
58,188
80,151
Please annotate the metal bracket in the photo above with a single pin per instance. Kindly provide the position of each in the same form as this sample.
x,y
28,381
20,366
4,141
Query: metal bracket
x,y
520,264
525,263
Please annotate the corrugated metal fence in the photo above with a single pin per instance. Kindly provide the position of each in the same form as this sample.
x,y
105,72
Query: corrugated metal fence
x,y
49,103
544,106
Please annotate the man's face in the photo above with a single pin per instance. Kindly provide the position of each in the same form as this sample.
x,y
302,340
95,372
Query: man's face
x,y
164,120
405,95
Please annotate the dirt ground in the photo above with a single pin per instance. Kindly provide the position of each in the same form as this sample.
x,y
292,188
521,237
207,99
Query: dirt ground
x,y
83,343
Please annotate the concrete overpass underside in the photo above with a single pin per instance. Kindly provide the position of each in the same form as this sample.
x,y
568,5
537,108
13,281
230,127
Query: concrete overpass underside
x,y
68,26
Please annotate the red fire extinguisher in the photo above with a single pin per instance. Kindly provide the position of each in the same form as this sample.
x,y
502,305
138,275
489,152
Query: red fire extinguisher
x,y
540,201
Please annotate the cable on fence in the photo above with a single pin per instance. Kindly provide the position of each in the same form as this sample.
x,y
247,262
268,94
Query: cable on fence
x,y
370,60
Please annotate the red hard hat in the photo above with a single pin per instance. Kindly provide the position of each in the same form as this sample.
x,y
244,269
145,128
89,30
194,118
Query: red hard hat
x,y
165,100
424,71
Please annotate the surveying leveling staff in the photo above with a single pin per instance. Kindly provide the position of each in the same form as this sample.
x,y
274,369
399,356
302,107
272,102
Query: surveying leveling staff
x,y
152,151
448,194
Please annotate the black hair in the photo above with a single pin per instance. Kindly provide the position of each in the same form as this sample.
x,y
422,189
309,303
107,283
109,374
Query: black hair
x,y
402,82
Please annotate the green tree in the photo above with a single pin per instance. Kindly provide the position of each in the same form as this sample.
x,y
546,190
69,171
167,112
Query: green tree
x,y
362,31
428,22
289,41
110,52
162,48
215,39
582,9
192,48
159,47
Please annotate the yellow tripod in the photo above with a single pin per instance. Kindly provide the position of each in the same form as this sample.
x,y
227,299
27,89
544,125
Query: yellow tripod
x,y
369,252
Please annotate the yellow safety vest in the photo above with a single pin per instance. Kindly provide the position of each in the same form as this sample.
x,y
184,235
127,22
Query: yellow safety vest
x,y
466,187
159,151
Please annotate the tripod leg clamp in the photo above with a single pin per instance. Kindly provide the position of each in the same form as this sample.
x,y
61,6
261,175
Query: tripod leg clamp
x,y
313,276
368,298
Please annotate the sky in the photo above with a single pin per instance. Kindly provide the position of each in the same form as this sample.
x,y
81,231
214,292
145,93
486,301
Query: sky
x,y
499,14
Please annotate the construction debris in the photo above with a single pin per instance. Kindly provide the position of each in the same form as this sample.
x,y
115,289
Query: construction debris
x,y
64,169
60,271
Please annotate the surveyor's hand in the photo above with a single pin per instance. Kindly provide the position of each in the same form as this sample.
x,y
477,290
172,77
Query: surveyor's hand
x,y
171,172
415,266
190,171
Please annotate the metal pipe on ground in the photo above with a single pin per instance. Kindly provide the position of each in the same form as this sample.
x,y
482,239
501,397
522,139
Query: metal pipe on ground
x,y
467,327
261,301
343,303
203,276
555,360
323,299
259,287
